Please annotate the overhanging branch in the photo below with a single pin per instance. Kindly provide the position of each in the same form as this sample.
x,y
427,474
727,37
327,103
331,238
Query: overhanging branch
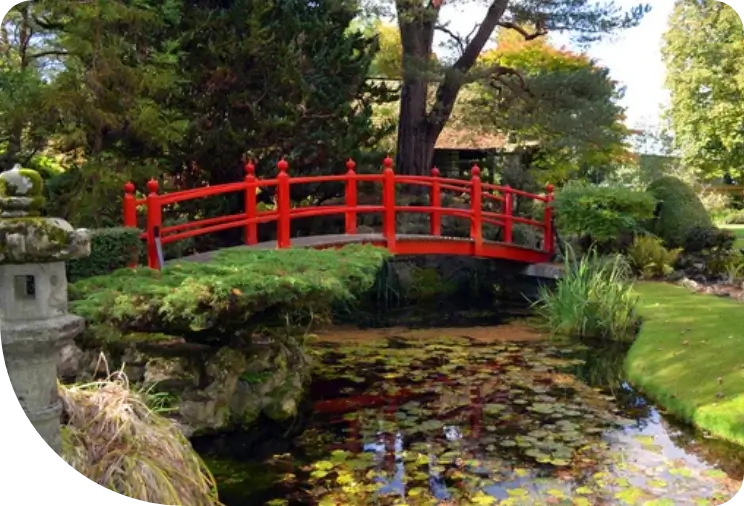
x,y
540,30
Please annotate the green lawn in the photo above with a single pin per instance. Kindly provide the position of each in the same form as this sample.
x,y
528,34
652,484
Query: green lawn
x,y
738,230
689,357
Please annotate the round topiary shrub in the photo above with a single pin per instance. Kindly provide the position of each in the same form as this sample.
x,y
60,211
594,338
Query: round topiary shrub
x,y
679,211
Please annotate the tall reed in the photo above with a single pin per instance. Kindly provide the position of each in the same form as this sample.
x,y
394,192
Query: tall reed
x,y
594,299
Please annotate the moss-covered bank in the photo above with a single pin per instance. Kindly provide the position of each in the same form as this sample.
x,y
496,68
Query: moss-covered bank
x,y
688,357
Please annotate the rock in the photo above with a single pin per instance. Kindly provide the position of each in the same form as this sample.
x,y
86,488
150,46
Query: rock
x,y
170,374
690,284
71,362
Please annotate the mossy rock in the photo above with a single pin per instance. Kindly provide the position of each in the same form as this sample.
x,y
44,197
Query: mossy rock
x,y
680,210
20,182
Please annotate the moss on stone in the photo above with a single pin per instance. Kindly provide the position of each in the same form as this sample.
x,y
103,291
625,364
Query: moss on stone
x,y
45,240
21,183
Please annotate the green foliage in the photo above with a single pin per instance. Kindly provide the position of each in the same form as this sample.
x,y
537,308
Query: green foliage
x,y
700,239
110,249
304,97
704,56
679,210
650,259
571,111
232,293
601,213
593,299
732,217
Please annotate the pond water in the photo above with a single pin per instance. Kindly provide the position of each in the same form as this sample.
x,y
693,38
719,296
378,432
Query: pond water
x,y
461,419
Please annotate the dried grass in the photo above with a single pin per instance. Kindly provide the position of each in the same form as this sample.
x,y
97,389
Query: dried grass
x,y
113,438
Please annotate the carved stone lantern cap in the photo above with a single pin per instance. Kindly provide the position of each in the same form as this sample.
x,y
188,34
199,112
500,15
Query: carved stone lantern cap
x,y
26,237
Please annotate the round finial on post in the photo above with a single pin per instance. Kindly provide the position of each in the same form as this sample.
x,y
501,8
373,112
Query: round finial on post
x,y
129,188
475,171
435,172
21,193
549,188
250,169
153,186
350,165
283,166
387,163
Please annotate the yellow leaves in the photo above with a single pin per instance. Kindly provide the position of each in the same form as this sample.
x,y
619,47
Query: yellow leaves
x,y
482,499
517,492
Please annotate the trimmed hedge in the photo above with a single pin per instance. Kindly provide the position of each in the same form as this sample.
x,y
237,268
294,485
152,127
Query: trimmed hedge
x,y
601,215
110,249
679,212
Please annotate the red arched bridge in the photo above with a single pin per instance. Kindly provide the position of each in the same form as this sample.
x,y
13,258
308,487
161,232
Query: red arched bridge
x,y
490,204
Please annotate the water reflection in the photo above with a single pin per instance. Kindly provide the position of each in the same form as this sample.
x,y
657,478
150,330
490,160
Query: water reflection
x,y
457,422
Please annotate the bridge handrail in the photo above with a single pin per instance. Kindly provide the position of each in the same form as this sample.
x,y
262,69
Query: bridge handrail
x,y
283,213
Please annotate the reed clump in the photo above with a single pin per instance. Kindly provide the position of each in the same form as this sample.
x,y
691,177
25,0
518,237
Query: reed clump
x,y
115,439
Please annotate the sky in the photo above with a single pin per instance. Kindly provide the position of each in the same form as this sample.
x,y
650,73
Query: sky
x,y
633,56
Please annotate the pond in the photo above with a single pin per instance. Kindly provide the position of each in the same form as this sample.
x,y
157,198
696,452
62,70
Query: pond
x,y
460,417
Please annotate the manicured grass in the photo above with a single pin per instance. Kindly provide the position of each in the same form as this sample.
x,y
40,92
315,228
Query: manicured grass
x,y
689,357
738,231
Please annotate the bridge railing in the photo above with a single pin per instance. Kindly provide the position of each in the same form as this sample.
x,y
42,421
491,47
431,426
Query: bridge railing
x,y
283,212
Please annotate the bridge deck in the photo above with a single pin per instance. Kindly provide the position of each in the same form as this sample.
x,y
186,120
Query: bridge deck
x,y
541,269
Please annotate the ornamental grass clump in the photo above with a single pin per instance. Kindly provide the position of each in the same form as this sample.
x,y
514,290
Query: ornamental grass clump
x,y
594,299
113,438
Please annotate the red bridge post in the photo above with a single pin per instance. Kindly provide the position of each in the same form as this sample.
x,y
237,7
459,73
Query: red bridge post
x,y
435,200
388,203
549,241
251,227
476,202
130,215
154,223
351,198
508,212
282,206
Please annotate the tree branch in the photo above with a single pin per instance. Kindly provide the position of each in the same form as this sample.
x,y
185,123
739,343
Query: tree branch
x,y
456,38
52,52
455,76
484,32
540,30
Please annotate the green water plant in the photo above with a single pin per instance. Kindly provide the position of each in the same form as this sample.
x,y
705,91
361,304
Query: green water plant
x,y
594,299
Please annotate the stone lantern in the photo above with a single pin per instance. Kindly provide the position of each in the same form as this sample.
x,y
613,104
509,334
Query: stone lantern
x,y
34,322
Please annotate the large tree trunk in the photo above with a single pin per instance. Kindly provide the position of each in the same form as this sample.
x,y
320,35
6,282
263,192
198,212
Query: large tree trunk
x,y
415,146
418,127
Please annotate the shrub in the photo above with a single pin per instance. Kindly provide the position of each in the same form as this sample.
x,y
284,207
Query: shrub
x,y
114,439
236,290
732,217
735,269
110,249
699,239
679,211
602,215
594,299
650,259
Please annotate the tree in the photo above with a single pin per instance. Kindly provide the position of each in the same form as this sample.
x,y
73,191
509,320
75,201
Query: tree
x,y
704,56
570,112
25,119
270,80
420,126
